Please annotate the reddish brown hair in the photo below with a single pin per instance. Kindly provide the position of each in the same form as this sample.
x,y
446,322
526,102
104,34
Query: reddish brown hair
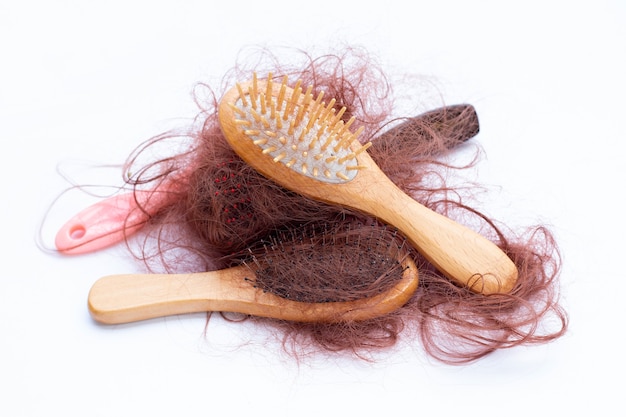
x,y
220,208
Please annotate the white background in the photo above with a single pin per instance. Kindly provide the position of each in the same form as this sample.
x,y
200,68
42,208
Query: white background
x,y
82,83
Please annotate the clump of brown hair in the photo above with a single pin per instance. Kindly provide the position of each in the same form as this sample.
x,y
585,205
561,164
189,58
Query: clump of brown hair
x,y
219,208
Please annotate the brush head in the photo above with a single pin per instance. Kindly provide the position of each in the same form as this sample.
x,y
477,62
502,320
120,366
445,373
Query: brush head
x,y
292,129
277,281
344,261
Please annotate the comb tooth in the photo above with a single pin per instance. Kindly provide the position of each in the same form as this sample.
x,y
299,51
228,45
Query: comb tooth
x,y
353,136
269,149
237,110
305,168
281,94
328,110
342,176
339,114
312,143
347,137
293,100
316,172
283,140
313,117
252,132
346,126
305,105
291,162
362,148
255,86
315,109
263,103
252,97
292,127
318,113
262,141
242,96
269,89
331,117
272,109
320,132
334,133
343,159
282,155
299,116
331,136
327,173
243,122
255,114
304,132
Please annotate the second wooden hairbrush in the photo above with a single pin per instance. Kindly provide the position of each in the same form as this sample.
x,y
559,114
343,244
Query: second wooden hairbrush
x,y
272,282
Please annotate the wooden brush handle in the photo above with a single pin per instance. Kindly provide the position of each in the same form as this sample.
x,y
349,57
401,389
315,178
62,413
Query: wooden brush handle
x,y
132,297
455,124
127,298
457,251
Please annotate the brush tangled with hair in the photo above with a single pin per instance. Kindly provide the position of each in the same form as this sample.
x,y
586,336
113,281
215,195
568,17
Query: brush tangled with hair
x,y
219,212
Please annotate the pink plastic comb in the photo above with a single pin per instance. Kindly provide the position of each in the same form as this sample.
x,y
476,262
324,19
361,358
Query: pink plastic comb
x,y
105,223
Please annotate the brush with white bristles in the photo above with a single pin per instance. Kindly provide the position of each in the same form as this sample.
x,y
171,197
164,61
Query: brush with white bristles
x,y
303,144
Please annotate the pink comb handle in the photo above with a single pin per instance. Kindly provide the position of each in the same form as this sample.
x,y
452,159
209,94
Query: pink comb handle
x,y
104,224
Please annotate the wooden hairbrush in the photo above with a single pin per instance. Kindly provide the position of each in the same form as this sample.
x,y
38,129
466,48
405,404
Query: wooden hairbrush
x,y
246,288
301,142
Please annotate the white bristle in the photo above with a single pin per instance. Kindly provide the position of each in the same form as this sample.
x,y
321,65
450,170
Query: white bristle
x,y
295,129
